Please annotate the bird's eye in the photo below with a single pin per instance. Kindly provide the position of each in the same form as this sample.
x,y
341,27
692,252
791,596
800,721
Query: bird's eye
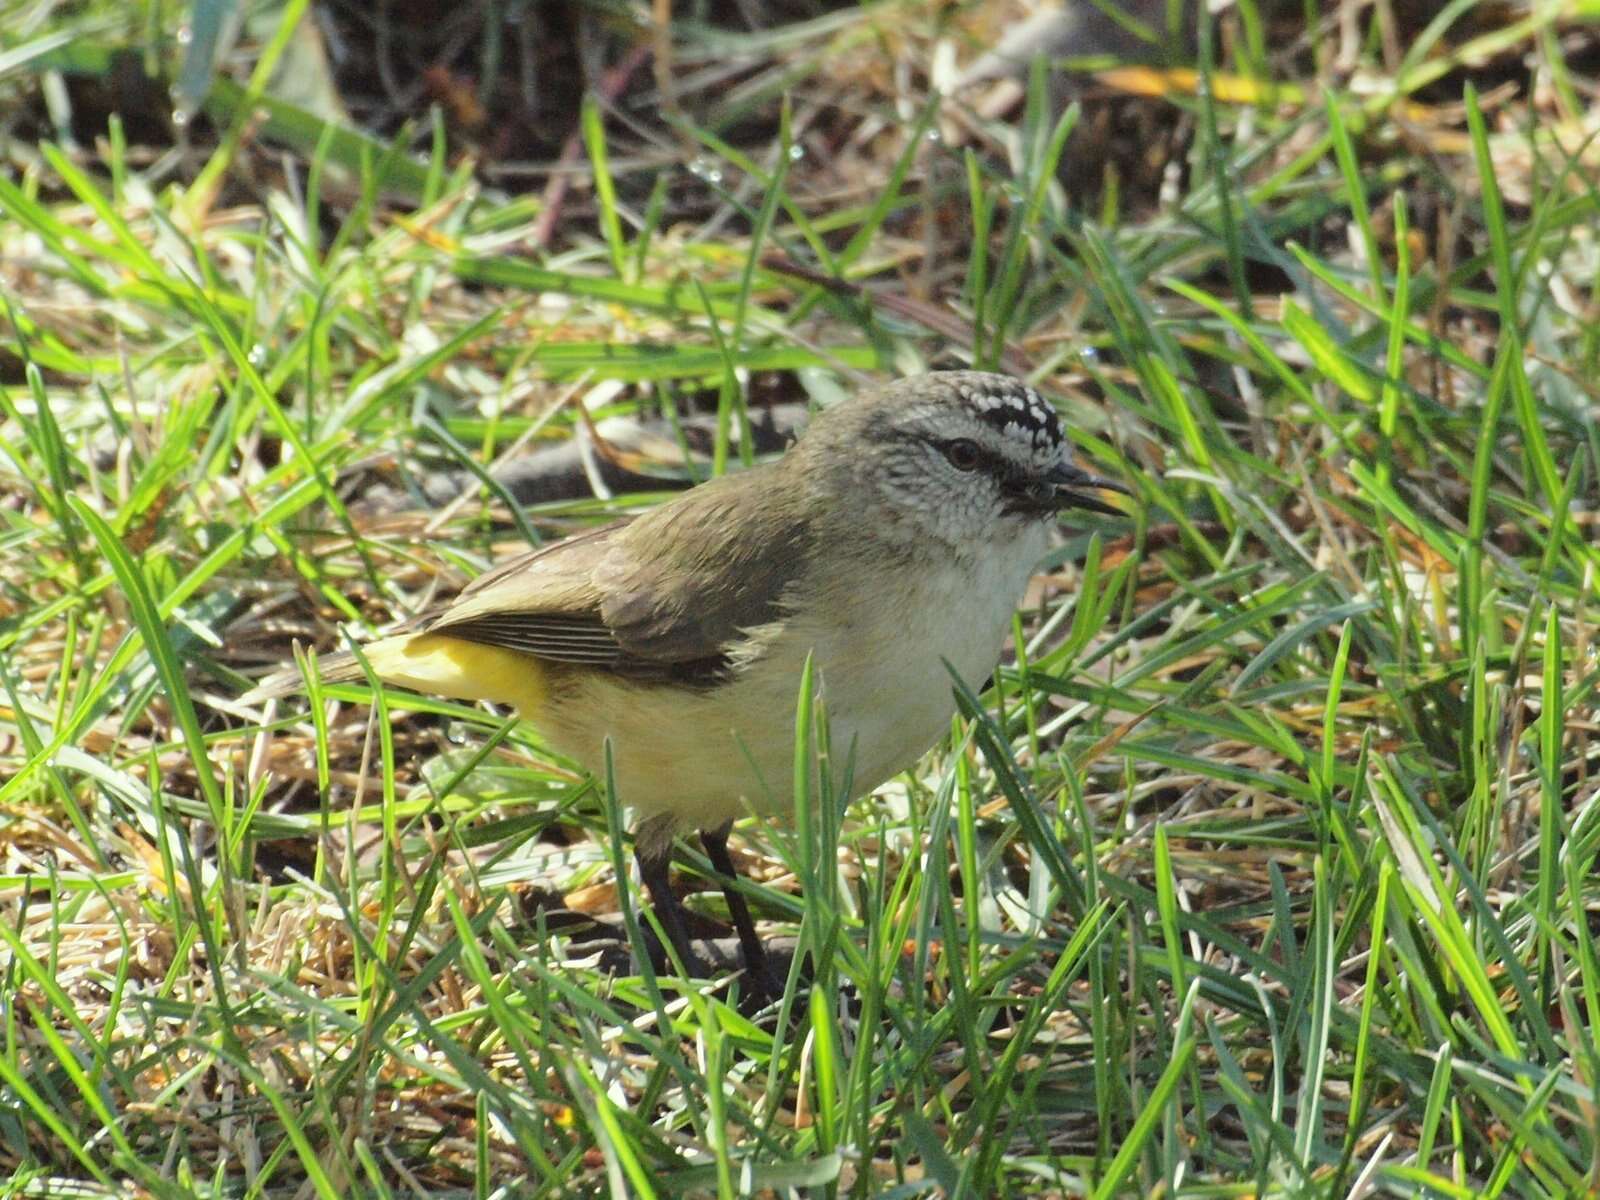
x,y
963,455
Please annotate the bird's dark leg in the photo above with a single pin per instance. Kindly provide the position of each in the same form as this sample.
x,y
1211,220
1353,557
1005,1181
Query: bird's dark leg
x,y
755,954
653,869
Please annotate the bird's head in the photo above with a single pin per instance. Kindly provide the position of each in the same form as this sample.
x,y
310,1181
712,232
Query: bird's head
x,y
963,457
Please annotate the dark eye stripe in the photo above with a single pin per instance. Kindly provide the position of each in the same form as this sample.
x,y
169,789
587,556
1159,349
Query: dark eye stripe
x,y
988,462
963,454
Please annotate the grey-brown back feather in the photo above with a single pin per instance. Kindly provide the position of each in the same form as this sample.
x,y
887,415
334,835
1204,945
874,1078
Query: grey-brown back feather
x,y
667,595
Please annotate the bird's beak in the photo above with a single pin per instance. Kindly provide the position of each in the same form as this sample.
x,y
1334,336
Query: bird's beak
x,y
1072,487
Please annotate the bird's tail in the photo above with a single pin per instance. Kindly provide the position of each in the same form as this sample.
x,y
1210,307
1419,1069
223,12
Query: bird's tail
x,y
342,667
431,663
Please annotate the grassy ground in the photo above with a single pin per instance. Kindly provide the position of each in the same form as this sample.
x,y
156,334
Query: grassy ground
x,y
1267,865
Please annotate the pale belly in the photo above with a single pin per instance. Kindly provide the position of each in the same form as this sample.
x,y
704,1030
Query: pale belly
x,y
710,756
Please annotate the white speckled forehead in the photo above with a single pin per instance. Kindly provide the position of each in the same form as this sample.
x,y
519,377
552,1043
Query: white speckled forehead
x,y
1007,417
1015,411
1017,414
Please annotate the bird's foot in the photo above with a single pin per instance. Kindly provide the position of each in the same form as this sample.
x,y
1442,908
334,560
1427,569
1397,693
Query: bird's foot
x,y
762,980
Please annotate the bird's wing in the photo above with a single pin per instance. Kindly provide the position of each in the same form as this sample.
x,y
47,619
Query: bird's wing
x,y
668,594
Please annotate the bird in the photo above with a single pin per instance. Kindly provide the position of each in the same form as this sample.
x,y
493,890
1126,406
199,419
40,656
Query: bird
x,y
889,546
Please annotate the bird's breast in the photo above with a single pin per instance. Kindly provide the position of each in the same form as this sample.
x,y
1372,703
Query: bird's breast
x,y
879,641
886,659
